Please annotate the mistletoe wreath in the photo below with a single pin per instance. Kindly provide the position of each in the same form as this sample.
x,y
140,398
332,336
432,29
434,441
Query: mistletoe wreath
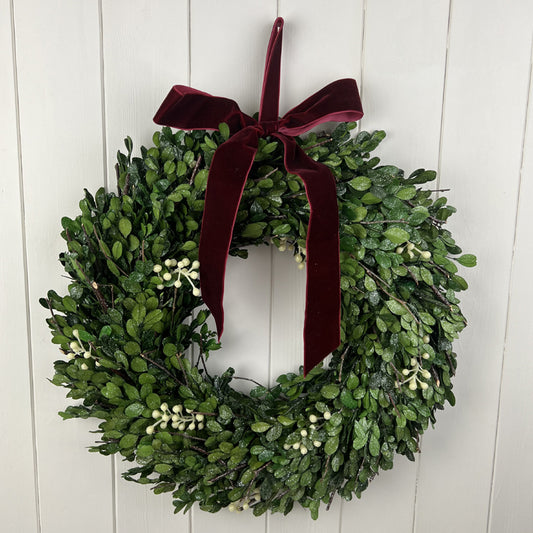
x,y
134,306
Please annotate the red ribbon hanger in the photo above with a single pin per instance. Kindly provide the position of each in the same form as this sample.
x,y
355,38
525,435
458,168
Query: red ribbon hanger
x,y
190,109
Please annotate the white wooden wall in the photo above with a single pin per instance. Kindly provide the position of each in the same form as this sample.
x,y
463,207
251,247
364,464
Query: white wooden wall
x,y
449,80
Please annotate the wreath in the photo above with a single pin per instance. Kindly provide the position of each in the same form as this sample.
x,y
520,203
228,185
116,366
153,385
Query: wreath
x,y
134,311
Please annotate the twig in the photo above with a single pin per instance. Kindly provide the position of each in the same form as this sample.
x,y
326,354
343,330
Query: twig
x,y
411,274
326,468
400,221
54,316
328,506
201,450
187,436
342,363
143,259
99,296
227,473
436,221
174,304
328,140
161,367
126,184
105,254
440,296
249,379
195,169
373,274
392,401
178,357
266,175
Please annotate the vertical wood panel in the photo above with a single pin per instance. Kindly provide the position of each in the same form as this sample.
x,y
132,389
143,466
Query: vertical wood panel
x,y
320,45
18,501
512,491
60,110
145,53
228,45
403,80
487,81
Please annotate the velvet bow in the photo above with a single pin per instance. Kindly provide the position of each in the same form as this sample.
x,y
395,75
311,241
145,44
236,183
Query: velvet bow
x,y
190,109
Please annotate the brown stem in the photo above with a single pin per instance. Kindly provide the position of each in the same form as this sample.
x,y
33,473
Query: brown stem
x,y
411,274
440,296
248,379
105,254
54,316
143,259
201,450
400,221
341,365
195,169
392,401
161,367
328,140
178,357
227,473
187,436
266,175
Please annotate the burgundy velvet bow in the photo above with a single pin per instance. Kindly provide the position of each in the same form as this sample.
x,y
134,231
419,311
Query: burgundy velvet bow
x,y
190,109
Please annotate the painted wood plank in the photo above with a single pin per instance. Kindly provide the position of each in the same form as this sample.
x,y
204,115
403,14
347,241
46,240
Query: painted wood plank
x,y
61,130
487,77
320,46
402,94
18,490
512,490
138,74
228,45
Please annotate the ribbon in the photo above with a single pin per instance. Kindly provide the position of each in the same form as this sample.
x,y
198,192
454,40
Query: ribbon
x,y
189,109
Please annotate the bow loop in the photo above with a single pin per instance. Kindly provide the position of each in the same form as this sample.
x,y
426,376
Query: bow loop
x,y
189,109
339,101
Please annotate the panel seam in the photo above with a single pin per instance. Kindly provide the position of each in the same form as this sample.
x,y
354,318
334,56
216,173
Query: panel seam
x,y
509,298
444,89
25,269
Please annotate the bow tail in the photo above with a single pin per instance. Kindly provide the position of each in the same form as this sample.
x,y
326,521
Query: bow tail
x,y
323,298
227,177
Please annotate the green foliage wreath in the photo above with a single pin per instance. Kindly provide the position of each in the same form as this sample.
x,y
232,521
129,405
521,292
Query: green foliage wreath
x,y
133,311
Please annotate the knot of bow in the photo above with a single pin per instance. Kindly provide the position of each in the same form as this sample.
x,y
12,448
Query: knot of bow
x,y
189,109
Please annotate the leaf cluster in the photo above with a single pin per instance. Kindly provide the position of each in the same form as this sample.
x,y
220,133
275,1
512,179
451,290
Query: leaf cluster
x,y
124,330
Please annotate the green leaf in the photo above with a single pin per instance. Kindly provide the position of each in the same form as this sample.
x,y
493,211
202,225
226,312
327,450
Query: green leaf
x,y
138,365
467,260
330,391
331,445
373,446
153,401
145,450
397,235
224,130
124,225
117,250
260,427
200,180
134,410
128,441
395,307
361,183
348,400
406,193
254,230
370,199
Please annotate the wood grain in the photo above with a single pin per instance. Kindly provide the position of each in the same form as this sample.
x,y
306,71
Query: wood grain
x,y
488,68
18,500
58,64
